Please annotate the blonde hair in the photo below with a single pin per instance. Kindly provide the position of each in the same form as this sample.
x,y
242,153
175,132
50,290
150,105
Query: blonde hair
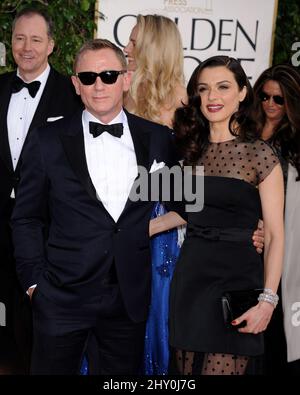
x,y
158,55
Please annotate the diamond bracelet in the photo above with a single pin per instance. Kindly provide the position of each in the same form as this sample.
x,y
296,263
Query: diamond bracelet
x,y
268,296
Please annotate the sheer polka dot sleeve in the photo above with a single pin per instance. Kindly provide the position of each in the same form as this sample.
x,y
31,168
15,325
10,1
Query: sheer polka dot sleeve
x,y
265,160
248,161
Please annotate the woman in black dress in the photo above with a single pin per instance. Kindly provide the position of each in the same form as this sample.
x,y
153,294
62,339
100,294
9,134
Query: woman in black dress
x,y
242,183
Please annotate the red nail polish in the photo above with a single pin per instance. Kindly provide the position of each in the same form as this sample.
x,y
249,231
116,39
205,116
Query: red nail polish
x,y
233,322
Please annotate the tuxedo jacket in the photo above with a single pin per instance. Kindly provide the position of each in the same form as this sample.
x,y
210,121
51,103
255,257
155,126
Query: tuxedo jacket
x,y
58,99
84,240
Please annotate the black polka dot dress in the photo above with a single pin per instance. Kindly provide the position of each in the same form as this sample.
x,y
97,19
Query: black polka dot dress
x,y
218,253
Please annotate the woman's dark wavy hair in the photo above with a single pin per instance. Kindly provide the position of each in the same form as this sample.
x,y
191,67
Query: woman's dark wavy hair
x,y
192,128
286,135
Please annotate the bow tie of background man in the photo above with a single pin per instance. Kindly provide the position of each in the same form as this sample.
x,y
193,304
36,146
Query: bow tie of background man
x,y
32,87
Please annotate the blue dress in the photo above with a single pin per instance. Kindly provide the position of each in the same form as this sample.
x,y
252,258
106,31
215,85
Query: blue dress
x,y
84,369
164,250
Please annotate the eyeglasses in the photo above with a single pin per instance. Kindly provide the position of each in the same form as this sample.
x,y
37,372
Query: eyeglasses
x,y
108,77
276,98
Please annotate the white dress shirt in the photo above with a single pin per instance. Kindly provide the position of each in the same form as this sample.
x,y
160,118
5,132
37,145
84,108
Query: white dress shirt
x,y
111,163
21,110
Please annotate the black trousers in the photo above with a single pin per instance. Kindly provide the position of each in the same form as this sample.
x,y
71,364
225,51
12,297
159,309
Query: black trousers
x,y
60,336
16,336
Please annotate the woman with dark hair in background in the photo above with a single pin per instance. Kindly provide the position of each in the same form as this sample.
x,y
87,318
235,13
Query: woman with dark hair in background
x,y
242,182
277,98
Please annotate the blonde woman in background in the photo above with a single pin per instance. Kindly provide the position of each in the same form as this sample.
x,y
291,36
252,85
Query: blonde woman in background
x,y
155,56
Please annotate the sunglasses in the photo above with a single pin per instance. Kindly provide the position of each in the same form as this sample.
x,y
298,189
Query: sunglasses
x,y
108,77
277,99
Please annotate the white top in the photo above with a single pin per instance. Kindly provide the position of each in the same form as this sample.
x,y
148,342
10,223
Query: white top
x,y
21,110
290,283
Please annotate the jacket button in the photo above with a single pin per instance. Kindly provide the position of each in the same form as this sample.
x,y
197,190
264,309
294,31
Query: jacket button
x,y
117,230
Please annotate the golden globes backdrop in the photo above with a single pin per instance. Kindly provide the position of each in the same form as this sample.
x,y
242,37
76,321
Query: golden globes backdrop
x,y
243,29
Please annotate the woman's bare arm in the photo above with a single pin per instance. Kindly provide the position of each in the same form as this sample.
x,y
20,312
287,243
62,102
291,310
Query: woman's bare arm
x,y
165,222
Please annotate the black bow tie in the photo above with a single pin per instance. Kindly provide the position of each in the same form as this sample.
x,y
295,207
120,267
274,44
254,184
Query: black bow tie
x,y
32,87
116,129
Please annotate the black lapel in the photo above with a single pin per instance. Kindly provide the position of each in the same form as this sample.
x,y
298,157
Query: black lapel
x,y
47,97
4,102
39,117
141,141
140,138
73,143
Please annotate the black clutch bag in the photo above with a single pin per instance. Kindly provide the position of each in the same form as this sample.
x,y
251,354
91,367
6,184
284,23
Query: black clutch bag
x,y
235,303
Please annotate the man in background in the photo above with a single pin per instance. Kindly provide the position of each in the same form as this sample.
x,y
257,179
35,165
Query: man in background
x,y
32,95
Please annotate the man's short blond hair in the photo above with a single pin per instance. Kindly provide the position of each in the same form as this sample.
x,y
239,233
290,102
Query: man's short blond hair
x,y
97,44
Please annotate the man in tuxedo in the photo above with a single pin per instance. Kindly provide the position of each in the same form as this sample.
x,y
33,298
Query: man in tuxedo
x,y
30,96
93,273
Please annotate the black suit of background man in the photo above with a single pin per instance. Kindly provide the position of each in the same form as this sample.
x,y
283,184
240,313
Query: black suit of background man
x,y
32,43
